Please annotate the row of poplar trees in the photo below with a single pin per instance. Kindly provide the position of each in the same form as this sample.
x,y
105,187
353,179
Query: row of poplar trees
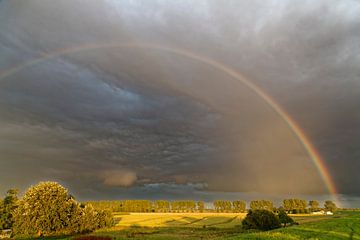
x,y
289,205
178,206
150,206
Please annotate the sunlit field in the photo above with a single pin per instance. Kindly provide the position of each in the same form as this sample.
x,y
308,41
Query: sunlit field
x,y
193,220
343,225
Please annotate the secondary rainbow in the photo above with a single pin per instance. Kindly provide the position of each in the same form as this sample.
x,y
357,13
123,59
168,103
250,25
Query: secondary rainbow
x,y
314,155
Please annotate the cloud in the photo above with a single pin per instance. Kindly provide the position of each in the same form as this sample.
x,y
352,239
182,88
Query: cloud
x,y
169,118
119,178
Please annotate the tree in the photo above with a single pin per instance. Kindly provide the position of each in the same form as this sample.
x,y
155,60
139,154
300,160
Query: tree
x,y
200,206
330,206
239,206
162,206
135,206
262,205
217,205
222,206
48,209
294,205
113,206
284,218
7,207
261,219
314,205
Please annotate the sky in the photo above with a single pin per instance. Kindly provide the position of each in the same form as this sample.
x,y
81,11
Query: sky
x,y
105,98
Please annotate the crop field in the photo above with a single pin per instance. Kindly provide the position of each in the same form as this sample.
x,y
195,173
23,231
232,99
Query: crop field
x,y
193,220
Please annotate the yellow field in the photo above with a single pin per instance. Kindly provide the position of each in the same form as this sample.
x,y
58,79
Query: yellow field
x,y
219,220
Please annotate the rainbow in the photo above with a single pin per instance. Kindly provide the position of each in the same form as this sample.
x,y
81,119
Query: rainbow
x,y
314,155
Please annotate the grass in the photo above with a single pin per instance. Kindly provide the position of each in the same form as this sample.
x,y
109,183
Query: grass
x,y
341,226
227,226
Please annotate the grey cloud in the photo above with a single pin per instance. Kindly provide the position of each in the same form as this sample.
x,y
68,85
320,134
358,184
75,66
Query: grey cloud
x,y
169,118
119,178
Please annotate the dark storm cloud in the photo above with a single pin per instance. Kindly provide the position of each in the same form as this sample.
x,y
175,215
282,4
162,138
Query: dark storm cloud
x,y
103,127
108,118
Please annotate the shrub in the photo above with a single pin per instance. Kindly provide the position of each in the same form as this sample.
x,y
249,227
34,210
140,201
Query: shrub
x,y
7,207
105,219
261,219
48,209
284,218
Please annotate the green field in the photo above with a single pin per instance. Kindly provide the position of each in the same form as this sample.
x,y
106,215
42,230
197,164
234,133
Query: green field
x,y
161,226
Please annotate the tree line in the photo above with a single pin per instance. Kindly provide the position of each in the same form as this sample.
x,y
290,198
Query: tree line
x,y
150,206
222,206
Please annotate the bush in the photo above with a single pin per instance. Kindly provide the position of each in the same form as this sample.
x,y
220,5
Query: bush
x,y
105,218
261,220
284,218
48,209
7,207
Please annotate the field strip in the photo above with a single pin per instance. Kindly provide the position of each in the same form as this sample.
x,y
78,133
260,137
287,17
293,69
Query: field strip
x,y
197,220
135,220
224,222
227,222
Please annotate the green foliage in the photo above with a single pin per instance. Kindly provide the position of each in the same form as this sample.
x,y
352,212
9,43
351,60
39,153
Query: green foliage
x,y
149,206
7,207
239,206
284,218
89,220
261,220
223,206
294,205
105,219
183,206
262,205
135,206
113,206
314,205
330,206
48,209
162,206
200,206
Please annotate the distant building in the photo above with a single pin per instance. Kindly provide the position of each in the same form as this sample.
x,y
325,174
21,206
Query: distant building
x,y
322,212
318,212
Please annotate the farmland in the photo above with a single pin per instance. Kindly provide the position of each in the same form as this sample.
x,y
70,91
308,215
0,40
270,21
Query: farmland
x,y
183,219
343,225
193,220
